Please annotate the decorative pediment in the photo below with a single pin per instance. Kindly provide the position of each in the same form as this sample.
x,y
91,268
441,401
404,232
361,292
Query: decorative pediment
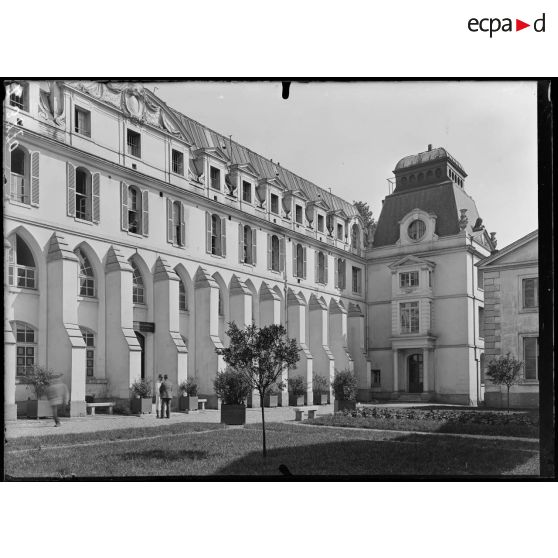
x,y
319,203
215,152
137,103
412,261
245,168
272,181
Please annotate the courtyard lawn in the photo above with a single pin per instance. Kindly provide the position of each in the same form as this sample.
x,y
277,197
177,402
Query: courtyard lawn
x,y
210,449
523,424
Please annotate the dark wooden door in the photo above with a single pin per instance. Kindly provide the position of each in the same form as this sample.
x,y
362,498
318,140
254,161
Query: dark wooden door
x,y
415,373
141,341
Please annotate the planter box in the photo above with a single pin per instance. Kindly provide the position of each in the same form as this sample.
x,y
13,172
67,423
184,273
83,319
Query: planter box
x,y
188,403
233,414
296,400
271,401
342,404
38,408
320,398
141,406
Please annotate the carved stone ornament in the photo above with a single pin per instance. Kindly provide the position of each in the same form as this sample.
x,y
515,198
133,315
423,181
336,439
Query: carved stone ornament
x,y
493,240
230,184
463,220
51,103
133,100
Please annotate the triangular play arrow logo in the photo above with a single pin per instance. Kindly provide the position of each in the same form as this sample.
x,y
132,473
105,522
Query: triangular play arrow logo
x,y
519,25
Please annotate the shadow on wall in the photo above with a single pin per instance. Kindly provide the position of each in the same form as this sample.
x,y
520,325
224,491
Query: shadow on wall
x,y
404,455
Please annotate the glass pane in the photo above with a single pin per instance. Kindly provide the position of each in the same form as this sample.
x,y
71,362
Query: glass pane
x,y
20,361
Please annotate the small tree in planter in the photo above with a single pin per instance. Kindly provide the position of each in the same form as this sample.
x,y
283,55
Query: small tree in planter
x,y
39,379
232,387
189,398
261,355
320,386
297,390
506,371
345,390
142,393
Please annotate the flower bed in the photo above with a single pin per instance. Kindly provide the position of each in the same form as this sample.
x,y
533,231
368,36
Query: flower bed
x,y
464,421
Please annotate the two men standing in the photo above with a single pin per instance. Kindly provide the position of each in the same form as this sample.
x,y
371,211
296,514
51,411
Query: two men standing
x,y
165,391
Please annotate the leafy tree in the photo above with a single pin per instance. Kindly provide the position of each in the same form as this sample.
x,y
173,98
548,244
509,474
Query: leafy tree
x,y
505,371
344,385
260,355
368,219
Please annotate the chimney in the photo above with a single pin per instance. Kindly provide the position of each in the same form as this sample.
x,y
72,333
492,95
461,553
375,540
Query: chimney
x,y
429,147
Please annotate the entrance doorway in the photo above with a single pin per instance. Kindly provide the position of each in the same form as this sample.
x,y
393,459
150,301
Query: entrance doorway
x,y
414,366
141,341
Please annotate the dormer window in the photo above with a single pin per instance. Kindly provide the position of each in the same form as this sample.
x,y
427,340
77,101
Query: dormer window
x,y
417,229
177,162
409,279
246,191
19,95
320,223
215,177
274,202
298,214
133,141
339,231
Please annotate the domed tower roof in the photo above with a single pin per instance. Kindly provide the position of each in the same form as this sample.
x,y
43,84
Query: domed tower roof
x,y
438,154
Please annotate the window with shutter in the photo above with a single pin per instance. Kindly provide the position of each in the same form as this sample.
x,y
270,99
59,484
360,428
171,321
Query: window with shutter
x,y
182,225
96,197
35,158
241,243
124,222
170,222
269,252
304,268
254,247
145,213
84,194
71,189
223,237
282,247
208,233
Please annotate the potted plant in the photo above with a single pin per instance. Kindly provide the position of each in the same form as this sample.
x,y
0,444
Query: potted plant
x,y
40,378
189,395
345,390
232,388
320,386
297,391
141,402
272,395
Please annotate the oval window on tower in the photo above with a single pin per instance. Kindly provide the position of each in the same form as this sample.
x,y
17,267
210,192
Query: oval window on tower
x,y
416,229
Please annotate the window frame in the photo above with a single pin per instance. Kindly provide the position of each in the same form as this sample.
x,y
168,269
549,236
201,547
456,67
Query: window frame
x,y
274,204
414,235
14,268
24,105
275,254
177,169
413,308
246,187
23,197
134,150
214,176
138,287
86,132
25,345
320,223
358,276
86,198
297,208
182,297
408,277
86,282
524,338
88,334
535,307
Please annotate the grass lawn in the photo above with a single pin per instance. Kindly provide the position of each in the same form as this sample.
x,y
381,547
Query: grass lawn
x,y
209,449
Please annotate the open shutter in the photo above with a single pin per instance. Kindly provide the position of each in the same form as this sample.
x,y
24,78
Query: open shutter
x,y
254,245
182,225
170,223
295,270
8,166
124,206
71,189
145,213
326,277
304,266
316,267
35,178
268,251
208,232
337,264
96,197
240,243
223,236
282,246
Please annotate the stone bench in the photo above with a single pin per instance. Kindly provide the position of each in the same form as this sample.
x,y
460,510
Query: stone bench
x,y
300,412
201,404
92,406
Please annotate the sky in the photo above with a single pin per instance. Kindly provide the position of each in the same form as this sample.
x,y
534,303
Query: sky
x,y
348,136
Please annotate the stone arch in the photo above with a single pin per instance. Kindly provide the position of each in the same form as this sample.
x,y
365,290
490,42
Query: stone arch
x,y
188,283
147,277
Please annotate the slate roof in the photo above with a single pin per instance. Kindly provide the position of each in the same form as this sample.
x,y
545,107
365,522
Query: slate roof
x,y
204,137
444,200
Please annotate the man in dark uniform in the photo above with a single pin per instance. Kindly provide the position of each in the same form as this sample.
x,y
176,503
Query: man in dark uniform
x,y
166,395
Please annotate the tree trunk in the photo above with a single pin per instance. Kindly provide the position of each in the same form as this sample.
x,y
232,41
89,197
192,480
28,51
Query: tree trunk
x,y
263,424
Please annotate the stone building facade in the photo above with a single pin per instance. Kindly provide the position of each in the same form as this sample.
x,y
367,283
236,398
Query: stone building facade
x,y
511,317
133,235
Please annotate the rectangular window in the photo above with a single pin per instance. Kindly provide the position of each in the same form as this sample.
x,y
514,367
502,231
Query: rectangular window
x,y
320,223
430,279
339,231
82,196
18,95
275,204
481,322
89,339
298,214
409,315
376,378
177,162
357,279
133,141
82,122
215,177
530,292
25,350
530,356
409,279
480,279
246,191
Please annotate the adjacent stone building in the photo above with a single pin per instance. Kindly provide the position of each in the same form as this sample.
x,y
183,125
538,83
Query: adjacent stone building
x,y
511,317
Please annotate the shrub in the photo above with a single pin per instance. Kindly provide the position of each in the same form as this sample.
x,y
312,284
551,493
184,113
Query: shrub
x,y
141,388
345,385
189,387
40,378
297,386
320,384
276,388
232,387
